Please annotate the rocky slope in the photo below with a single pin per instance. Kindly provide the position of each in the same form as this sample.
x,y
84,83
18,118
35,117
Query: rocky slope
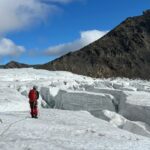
x,y
123,52
13,64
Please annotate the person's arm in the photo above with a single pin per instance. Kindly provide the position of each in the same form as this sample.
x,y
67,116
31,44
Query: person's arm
x,y
37,93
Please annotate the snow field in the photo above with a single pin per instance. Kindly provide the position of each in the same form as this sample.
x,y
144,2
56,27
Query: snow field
x,y
62,130
123,103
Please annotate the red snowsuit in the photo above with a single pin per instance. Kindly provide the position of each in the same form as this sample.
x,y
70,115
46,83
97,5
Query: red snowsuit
x,y
33,96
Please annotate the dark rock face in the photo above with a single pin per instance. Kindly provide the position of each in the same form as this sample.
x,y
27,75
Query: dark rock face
x,y
14,64
123,52
1,66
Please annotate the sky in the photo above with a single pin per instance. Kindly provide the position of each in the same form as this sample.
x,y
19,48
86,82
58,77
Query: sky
x,y
38,31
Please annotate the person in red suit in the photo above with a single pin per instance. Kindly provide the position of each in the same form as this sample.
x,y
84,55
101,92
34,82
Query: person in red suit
x,y
33,97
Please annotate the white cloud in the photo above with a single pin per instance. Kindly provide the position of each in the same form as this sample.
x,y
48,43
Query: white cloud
x,y
86,37
17,14
9,48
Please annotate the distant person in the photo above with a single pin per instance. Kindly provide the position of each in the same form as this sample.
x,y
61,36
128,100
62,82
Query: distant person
x,y
33,97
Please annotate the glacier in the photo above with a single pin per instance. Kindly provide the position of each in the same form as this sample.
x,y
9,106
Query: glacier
x,y
76,112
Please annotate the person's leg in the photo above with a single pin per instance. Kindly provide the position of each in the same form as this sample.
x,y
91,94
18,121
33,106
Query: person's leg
x,y
32,109
35,110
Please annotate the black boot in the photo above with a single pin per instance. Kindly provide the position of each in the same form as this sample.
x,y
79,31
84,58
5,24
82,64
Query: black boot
x,y
36,117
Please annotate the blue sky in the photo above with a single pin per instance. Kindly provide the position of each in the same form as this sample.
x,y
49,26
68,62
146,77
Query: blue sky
x,y
37,31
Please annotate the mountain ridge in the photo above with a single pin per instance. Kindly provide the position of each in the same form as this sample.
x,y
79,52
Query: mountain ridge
x,y
123,52
14,64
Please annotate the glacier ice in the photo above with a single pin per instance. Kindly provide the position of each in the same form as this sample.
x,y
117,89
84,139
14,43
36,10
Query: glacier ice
x,y
117,120
64,90
83,100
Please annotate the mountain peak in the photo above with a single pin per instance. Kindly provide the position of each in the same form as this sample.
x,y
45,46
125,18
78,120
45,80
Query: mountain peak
x,y
14,64
146,12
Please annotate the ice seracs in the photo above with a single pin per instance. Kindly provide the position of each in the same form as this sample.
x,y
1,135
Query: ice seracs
x,y
136,106
83,100
117,120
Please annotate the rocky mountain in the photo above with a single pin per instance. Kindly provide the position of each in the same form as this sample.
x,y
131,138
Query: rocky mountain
x,y
123,52
14,64
1,66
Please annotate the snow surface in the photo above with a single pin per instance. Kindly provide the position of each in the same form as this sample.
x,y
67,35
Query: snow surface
x,y
64,130
123,103
136,98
